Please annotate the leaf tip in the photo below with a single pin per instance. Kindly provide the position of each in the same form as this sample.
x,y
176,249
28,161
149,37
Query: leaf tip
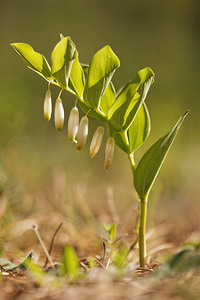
x,y
109,49
61,36
186,113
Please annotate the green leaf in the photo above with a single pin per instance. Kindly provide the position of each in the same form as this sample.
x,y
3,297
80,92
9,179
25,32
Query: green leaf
x,y
36,272
189,263
9,266
85,68
91,112
169,268
107,99
77,77
70,263
91,262
185,260
150,164
123,98
120,115
135,105
101,69
139,129
62,58
128,102
111,230
33,60
119,258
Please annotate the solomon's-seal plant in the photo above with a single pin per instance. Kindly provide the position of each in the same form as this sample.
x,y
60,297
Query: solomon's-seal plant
x,y
125,112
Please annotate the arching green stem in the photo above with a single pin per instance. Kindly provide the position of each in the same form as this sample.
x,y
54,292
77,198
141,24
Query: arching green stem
x,y
132,162
130,155
78,97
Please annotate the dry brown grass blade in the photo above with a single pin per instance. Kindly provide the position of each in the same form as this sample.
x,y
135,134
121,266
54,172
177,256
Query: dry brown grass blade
x,y
52,242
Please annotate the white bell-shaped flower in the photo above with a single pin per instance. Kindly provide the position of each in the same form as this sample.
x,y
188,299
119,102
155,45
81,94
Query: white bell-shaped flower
x,y
109,152
73,123
59,115
96,141
82,133
47,105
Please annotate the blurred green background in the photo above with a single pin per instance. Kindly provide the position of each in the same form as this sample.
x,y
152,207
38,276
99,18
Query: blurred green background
x,y
164,35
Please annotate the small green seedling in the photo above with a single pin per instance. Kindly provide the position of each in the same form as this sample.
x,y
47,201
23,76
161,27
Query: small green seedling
x,y
117,253
124,111
70,263
111,231
111,242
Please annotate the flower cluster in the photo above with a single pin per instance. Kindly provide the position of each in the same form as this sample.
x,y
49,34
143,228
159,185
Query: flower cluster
x,y
78,132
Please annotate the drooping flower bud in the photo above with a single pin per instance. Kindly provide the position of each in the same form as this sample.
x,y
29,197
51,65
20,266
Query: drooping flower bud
x,y
110,146
82,133
59,115
73,123
96,141
47,105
